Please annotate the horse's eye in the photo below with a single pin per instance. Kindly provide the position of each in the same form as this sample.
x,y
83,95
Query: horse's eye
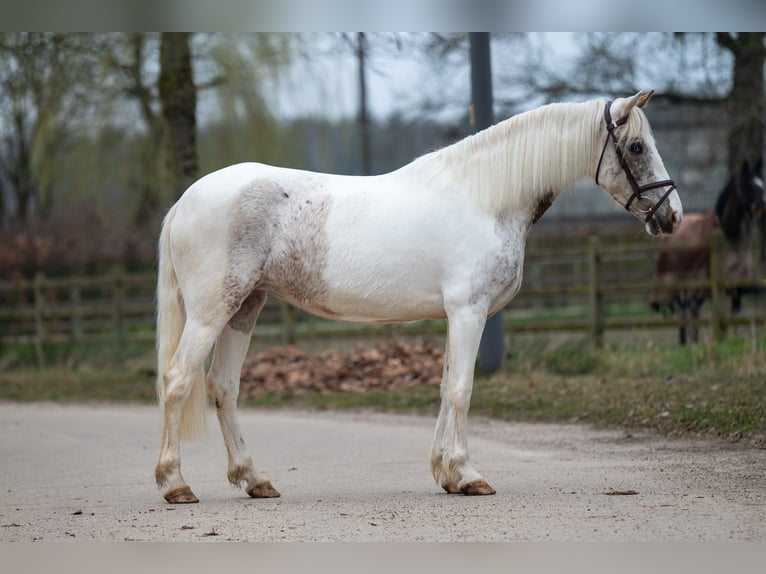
x,y
636,148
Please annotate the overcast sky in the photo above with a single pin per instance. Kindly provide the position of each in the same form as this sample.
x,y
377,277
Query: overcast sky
x,y
400,80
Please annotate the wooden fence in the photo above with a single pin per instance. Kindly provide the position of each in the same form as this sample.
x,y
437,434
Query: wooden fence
x,y
607,286
590,287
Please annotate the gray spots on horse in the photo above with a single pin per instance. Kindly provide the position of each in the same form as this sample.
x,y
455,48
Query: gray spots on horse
x,y
642,164
244,319
542,205
277,244
497,278
250,241
294,270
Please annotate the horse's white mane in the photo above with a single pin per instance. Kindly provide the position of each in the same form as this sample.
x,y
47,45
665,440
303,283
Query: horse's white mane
x,y
517,161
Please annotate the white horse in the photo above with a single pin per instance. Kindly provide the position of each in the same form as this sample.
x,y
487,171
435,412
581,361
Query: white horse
x,y
441,237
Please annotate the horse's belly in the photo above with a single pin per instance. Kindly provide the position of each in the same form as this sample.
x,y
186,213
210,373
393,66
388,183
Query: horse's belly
x,y
366,307
369,316
378,289
360,288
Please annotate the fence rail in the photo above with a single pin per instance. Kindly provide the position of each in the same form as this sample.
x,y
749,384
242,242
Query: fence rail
x,y
590,288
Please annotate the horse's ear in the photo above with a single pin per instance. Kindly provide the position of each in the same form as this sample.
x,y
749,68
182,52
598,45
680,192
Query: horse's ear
x,y
621,107
644,98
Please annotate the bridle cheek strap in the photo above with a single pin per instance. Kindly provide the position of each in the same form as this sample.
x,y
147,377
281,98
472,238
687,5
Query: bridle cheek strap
x,y
637,189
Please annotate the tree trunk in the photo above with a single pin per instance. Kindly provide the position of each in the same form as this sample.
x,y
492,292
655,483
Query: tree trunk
x,y
746,101
20,174
178,100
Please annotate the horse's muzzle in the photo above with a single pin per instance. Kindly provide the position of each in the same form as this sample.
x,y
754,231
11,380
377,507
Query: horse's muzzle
x,y
664,222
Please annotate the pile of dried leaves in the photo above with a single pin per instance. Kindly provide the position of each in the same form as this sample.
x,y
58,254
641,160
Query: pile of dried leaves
x,y
387,364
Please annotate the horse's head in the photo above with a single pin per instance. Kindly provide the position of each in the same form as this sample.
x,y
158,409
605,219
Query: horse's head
x,y
631,169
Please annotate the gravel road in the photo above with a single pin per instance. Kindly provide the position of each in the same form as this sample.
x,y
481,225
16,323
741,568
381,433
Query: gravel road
x,y
76,472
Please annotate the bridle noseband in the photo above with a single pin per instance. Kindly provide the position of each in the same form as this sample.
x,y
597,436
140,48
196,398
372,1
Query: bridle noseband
x,y
637,189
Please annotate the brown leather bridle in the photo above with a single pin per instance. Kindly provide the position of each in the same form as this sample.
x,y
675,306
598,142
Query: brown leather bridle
x,y
637,189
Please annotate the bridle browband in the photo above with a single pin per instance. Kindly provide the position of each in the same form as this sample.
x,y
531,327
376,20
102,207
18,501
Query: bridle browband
x,y
637,189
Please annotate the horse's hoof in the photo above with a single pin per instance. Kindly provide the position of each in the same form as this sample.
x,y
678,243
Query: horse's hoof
x,y
264,490
477,488
181,495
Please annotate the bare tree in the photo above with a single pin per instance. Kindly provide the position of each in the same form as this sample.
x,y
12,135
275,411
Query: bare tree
x,y
167,98
178,98
127,57
746,101
43,82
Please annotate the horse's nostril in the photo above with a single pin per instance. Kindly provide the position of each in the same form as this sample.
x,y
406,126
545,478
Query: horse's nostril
x,y
674,218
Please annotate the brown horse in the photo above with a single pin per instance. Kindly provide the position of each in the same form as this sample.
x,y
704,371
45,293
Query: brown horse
x,y
739,212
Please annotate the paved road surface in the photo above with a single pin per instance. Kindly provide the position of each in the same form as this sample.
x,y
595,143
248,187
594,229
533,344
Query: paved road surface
x,y
85,473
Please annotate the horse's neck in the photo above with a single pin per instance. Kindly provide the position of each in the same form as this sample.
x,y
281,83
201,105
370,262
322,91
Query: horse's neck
x,y
526,161
736,223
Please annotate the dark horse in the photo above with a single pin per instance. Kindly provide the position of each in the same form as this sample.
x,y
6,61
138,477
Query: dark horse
x,y
738,213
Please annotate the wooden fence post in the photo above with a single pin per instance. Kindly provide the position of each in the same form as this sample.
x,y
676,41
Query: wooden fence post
x,y
594,293
118,298
716,247
38,289
75,300
288,323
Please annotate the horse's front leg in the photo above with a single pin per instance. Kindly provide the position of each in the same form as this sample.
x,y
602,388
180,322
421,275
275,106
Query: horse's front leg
x,y
683,318
450,461
694,313
438,444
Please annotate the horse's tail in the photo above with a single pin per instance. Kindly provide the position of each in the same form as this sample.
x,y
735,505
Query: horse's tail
x,y
171,319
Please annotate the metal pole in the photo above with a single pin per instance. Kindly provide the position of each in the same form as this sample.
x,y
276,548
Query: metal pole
x,y
481,80
364,119
492,346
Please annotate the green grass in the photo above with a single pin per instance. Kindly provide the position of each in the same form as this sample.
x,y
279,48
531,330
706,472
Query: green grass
x,y
732,408
701,389
78,385
77,373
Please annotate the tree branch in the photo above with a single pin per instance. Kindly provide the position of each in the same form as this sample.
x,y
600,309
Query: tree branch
x,y
726,40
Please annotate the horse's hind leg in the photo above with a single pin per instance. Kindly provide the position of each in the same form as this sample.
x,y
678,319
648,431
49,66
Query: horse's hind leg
x,y
186,371
223,385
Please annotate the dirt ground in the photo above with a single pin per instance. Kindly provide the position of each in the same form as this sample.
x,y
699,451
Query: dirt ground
x,y
84,472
